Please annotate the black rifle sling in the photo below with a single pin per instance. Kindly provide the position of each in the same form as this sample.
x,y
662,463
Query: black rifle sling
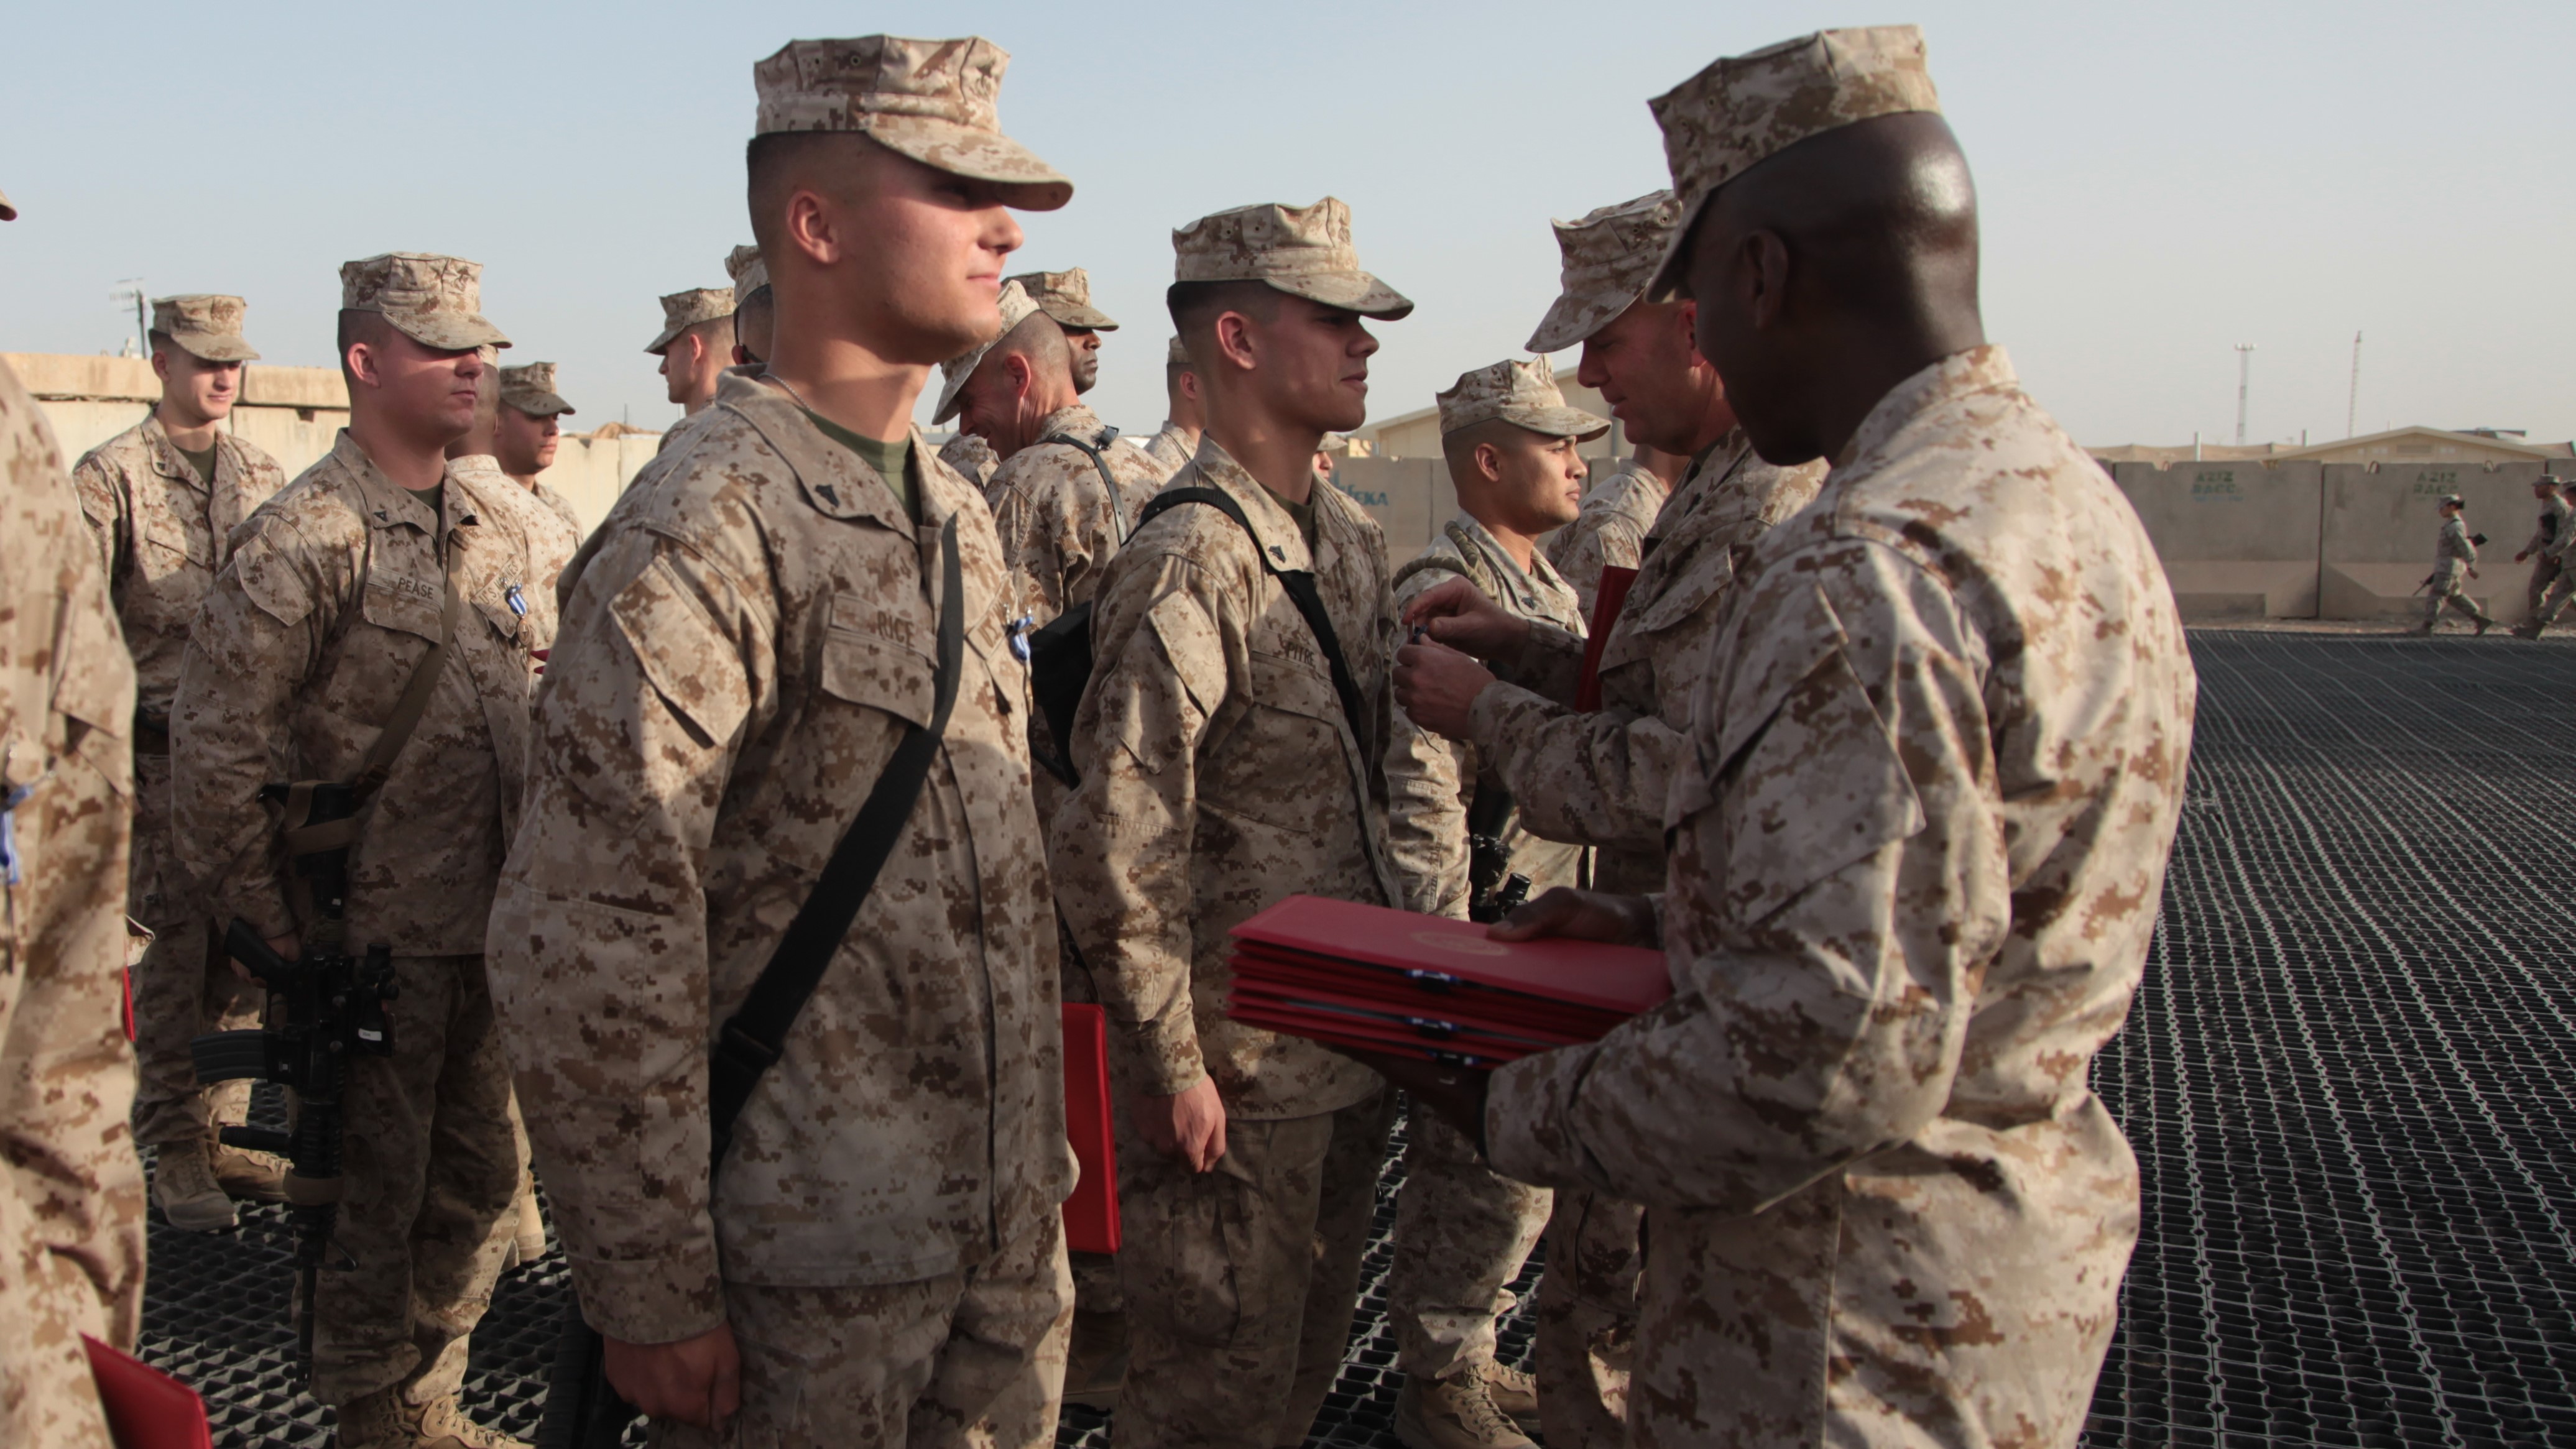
x,y
1108,480
756,1035
1300,584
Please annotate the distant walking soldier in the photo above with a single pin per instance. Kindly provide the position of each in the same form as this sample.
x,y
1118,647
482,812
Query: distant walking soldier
x,y
379,565
162,499
796,607
71,1189
2546,539
2561,587
1066,297
1222,771
2455,554
1462,1232
1183,418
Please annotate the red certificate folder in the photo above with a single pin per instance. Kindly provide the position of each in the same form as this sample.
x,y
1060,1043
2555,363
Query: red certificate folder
x,y
1430,987
1606,604
146,1408
1091,1214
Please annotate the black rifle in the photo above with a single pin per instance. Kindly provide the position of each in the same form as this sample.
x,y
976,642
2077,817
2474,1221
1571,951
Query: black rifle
x,y
1494,889
324,1008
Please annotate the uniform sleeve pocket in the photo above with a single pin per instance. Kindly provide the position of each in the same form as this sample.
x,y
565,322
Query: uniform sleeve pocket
x,y
676,642
1810,774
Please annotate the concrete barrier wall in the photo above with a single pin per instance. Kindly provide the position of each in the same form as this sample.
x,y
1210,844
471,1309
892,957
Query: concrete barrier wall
x,y
2238,539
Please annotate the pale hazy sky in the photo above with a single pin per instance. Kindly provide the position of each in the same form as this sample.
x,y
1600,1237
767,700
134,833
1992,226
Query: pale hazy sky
x,y
2159,182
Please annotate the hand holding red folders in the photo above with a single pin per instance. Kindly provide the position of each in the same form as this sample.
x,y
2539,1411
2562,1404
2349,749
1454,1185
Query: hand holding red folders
x,y
1428,987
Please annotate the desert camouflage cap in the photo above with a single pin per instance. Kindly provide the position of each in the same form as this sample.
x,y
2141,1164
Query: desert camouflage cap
x,y
936,101
1744,109
1521,393
433,300
1304,251
1017,307
1066,296
1334,443
1179,353
531,389
1610,259
684,310
748,271
207,325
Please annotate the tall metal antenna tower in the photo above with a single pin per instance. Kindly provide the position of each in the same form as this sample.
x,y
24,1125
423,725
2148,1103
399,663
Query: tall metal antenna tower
x,y
2244,375
130,289
2352,400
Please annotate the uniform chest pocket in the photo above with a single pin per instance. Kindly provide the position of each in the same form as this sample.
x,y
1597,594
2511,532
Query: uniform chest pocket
x,y
1284,764
880,673
403,604
508,624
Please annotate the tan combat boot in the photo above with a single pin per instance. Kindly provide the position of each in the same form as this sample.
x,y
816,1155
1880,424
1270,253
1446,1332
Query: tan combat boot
x,y
528,1237
183,1182
382,1420
1514,1391
1453,1413
250,1176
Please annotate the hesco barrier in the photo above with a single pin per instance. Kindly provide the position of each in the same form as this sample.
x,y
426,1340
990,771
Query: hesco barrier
x,y
2348,1077
2248,539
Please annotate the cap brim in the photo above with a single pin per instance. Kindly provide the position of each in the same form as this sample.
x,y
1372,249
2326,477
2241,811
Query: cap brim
x,y
448,332
540,405
1025,182
668,336
1559,422
215,349
1350,291
954,385
1089,319
1571,319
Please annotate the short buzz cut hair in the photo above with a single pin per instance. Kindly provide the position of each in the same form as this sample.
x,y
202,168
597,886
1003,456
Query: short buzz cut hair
x,y
777,162
356,326
156,339
1458,448
1195,306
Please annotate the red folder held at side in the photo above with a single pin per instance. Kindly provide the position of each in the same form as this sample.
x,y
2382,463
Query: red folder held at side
x,y
146,1408
1606,603
1091,1214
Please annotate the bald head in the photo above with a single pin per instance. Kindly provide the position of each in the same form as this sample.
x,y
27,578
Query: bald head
x,y
1831,272
1023,380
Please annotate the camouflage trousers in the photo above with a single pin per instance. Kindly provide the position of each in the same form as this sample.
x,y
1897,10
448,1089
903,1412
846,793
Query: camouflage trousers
x,y
1587,1319
2447,592
1240,1280
1462,1232
182,987
2544,572
2554,600
46,1303
431,1166
968,1358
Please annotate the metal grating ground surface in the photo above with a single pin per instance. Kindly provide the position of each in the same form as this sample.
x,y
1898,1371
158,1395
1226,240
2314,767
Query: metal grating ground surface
x,y
2348,1079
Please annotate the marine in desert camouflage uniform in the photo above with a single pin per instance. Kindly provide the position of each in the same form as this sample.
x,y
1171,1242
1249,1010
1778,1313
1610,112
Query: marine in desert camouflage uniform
x,y
2562,586
2547,536
1220,774
1066,297
1172,447
71,1188
1463,1231
881,1259
970,458
2455,560
695,345
1918,844
163,520
529,431
1600,777
332,600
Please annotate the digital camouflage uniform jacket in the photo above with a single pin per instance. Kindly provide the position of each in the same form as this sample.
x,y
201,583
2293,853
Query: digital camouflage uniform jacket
x,y
1058,523
544,518
163,534
2453,553
1611,530
311,632
1207,744
1600,779
749,637
71,1190
1169,449
1919,847
1438,812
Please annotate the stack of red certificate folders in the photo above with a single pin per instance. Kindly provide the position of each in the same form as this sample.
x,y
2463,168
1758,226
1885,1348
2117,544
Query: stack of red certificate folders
x,y
1426,986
